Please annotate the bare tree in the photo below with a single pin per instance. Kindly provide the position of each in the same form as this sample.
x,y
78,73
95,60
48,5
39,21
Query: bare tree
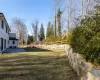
x,y
98,1
35,29
82,5
25,35
20,28
87,7
70,11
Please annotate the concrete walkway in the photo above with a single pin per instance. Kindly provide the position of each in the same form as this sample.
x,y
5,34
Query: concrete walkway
x,y
10,50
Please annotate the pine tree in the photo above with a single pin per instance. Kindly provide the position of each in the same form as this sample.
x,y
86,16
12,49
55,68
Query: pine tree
x,y
50,37
59,22
42,36
52,30
48,33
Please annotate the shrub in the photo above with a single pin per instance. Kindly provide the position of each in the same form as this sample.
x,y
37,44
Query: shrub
x,y
86,39
92,50
80,37
69,36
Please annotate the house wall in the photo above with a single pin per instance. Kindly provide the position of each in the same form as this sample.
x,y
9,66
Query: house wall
x,y
4,35
11,43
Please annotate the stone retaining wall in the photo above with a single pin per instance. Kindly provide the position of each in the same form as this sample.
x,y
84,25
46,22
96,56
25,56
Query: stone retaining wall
x,y
85,70
52,46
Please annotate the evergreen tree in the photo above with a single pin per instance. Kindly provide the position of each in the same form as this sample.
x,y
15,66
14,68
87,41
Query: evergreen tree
x,y
49,31
59,22
50,37
31,39
86,37
42,36
52,30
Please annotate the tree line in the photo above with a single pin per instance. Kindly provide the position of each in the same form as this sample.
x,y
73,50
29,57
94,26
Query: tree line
x,y
19,27
66,16
37,35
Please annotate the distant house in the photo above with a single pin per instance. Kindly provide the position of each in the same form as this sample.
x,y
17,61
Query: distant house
x,y
6,40
13,41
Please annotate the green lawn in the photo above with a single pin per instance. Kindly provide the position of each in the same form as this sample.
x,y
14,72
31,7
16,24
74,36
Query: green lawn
x,y
36,64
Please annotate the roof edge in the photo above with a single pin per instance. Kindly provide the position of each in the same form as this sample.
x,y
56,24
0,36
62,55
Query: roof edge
x,y
5,20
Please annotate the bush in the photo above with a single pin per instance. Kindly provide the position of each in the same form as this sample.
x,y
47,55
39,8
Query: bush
x,y
86,43
92,50
86,39
80,37
69,36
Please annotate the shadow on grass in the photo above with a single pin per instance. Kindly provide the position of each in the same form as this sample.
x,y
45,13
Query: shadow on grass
x,y
36,67
35,49
27,49
13,50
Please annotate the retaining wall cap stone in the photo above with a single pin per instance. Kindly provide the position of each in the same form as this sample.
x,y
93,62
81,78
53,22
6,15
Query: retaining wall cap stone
x,y
95,72
83,65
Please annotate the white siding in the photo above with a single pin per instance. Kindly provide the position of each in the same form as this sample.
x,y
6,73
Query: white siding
x,y
0,44
3,33
11,43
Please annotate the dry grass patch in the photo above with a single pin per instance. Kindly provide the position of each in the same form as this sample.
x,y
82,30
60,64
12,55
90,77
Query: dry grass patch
x,y
45,65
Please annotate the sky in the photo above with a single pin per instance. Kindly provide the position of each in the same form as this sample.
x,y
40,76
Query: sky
x,y
28,10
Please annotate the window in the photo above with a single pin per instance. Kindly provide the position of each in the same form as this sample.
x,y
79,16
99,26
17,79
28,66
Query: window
x,y
2,24
1,43
13,42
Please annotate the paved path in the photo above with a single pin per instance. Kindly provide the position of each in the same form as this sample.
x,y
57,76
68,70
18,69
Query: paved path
x,y
14,50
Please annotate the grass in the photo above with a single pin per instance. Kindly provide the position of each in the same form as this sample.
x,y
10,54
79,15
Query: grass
x,y
45,65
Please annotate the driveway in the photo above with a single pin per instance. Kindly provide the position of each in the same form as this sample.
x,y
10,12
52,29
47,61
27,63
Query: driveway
x,y
10,50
